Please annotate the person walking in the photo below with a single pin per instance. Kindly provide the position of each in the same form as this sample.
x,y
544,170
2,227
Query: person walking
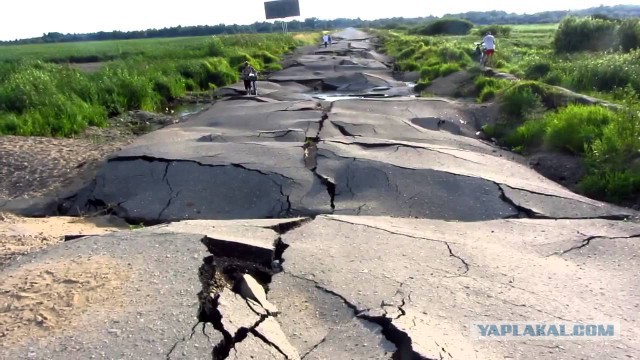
x,y
325,40
489,42
248,76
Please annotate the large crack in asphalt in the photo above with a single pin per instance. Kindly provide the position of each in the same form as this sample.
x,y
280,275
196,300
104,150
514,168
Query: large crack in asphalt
x,y
464,263
310,157
184,339
522,211
343,130
219,272
216,270
587,241
397,144
401,340
212,276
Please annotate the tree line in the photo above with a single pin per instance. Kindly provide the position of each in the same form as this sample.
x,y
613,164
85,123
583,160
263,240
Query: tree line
x,y
311,24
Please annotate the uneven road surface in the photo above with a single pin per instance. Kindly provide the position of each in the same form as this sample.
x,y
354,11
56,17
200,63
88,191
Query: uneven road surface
x,y
377,226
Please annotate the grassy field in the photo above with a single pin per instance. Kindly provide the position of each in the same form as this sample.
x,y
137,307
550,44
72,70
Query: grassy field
x,y
534,115
161,48
40,94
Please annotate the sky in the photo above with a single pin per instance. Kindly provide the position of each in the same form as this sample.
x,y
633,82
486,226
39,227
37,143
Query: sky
x,y
32,18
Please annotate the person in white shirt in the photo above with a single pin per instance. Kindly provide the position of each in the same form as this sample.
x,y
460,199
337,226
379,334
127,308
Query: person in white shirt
x,y
325,39
490,47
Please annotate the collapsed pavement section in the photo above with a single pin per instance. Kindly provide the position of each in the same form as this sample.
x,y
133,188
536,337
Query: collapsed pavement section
x,y
334,287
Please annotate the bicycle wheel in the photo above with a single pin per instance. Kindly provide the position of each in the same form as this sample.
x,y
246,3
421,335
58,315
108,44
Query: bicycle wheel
x,y
254,88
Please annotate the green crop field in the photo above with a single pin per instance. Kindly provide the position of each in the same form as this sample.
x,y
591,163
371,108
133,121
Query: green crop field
x,y
41,94
161,48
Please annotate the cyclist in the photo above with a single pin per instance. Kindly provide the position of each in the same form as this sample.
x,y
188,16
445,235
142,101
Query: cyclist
x,y
490,47
249,76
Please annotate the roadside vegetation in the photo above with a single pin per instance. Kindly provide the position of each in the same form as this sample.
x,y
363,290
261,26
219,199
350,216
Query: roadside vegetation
x,y
597,56
42,94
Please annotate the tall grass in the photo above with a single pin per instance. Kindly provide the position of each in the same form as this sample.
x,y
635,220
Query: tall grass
x,y
609,140
432,57
537,116
43,98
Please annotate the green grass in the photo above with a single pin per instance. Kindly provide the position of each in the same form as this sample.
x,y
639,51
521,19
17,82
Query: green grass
x,y
535,115
609,140
160,48
576,127
433,57
41,97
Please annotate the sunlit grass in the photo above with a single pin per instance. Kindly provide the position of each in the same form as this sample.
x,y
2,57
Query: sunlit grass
x,y
38,97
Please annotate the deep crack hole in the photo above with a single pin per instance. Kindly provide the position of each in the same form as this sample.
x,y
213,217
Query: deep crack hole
x,y
219,273
402,341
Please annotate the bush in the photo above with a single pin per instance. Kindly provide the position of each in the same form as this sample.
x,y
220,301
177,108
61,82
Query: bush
x,y
9,123
219,72
611,158
448,69
266,57
629,34
449,54
528,135
585,34
619,143
445,27
487,93
576,127
496,30
407,53
488,87
538,70
611,185
215,47
205,72
408,65
604,73
522,100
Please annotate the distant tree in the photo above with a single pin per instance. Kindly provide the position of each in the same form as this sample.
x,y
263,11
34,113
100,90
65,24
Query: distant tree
x,y
585,34
498,30
445,27
629,34
603,13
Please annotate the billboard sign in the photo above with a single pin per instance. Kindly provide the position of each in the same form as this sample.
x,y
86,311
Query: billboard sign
x,y
281,9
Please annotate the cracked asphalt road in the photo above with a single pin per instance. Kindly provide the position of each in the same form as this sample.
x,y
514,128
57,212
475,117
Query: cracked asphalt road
x,y
395,236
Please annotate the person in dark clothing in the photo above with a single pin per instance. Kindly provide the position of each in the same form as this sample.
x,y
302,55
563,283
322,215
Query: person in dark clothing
x,y
249,75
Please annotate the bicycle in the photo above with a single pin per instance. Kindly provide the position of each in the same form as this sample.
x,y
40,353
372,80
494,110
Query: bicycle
x,y
253,77
481,51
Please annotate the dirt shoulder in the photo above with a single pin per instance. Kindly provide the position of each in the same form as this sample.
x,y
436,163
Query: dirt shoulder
x,y
39,166
21,235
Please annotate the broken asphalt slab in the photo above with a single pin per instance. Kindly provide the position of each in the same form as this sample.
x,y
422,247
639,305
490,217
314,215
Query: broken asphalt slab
x,y
426,281
144,304
357,287
242,159
372,176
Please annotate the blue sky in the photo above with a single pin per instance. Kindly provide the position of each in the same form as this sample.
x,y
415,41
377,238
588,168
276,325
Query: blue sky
x,y
31,18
